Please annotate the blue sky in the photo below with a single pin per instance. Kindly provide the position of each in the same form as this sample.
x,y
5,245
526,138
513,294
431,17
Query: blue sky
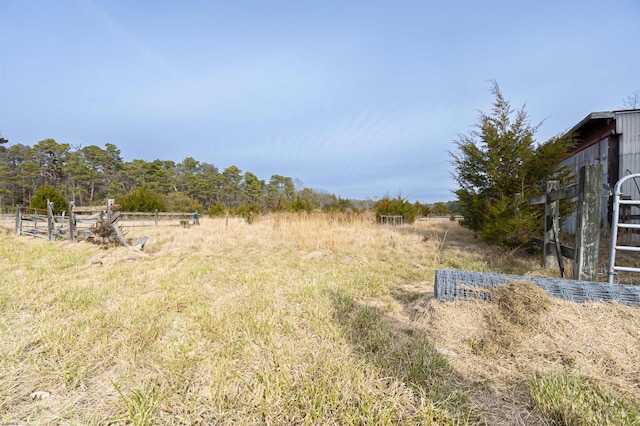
x,y
358,98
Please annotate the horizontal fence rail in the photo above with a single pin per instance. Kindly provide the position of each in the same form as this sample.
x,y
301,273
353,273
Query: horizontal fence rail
x,y
570,191
28,218
83,220
184,218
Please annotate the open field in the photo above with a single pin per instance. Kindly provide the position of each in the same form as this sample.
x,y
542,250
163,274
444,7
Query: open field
x,y
298,320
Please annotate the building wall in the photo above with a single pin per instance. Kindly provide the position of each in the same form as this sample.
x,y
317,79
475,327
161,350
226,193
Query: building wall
x,y
628,127
595,154
626,142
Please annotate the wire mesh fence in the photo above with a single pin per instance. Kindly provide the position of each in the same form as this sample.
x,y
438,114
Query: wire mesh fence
x,y
452,285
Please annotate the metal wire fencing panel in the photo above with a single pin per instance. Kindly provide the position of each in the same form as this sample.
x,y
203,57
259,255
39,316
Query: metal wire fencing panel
x,y
452,285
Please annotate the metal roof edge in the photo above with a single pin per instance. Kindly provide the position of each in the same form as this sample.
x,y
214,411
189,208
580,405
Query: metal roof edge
x,y
599,115
626,111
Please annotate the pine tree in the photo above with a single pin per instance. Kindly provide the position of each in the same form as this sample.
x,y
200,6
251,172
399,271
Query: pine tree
x,y
498,167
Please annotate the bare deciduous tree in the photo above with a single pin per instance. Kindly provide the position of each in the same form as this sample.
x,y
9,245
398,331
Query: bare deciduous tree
x,y
632,101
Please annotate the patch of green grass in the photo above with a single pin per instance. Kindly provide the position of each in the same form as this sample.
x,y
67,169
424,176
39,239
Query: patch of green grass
x,y
78,297
411,359
141,405
567,400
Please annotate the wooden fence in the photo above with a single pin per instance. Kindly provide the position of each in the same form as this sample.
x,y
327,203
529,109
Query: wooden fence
x,y
157,218
588,192
82,221
38,223
391,220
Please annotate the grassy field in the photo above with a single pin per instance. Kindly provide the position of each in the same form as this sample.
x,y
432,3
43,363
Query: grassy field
x,y
298,320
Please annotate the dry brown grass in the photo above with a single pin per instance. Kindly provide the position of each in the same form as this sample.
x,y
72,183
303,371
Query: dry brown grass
x,y
501,345
293,319
517,310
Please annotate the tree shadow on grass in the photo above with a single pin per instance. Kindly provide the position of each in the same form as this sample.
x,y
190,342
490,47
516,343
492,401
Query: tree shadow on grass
x,y
399,350
403,352
406,295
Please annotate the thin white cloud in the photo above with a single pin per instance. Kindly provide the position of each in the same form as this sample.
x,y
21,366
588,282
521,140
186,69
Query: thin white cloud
x,y
126,37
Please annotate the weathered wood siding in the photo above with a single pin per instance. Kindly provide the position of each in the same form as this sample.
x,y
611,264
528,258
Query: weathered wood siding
x,y
595,154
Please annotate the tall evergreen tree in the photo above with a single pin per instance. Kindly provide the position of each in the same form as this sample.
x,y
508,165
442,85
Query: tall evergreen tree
x,y
497,160
280,192
253,189
24,173
3,142
5,174
230,187
50,156
77,174
306,199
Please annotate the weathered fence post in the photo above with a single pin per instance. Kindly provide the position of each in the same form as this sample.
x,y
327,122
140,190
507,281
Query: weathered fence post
x,y
35,218
588,191
110,203
50,221
18,219
155,217
589,215
72,223
551,214
226,223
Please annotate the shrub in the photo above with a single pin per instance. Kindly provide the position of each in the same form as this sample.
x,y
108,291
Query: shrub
x,y
396,207
245,209
423,209
302,204
306,200
217,210
50,193
142,200
181,202
440,209
339,205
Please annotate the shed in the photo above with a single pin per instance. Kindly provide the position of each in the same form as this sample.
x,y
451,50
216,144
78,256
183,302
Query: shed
x,y
610,138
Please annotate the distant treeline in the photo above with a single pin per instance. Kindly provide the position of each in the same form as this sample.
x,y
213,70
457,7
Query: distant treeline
x,y
88,175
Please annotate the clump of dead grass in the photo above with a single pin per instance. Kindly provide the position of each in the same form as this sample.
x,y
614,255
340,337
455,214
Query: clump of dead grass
x,y
518,308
